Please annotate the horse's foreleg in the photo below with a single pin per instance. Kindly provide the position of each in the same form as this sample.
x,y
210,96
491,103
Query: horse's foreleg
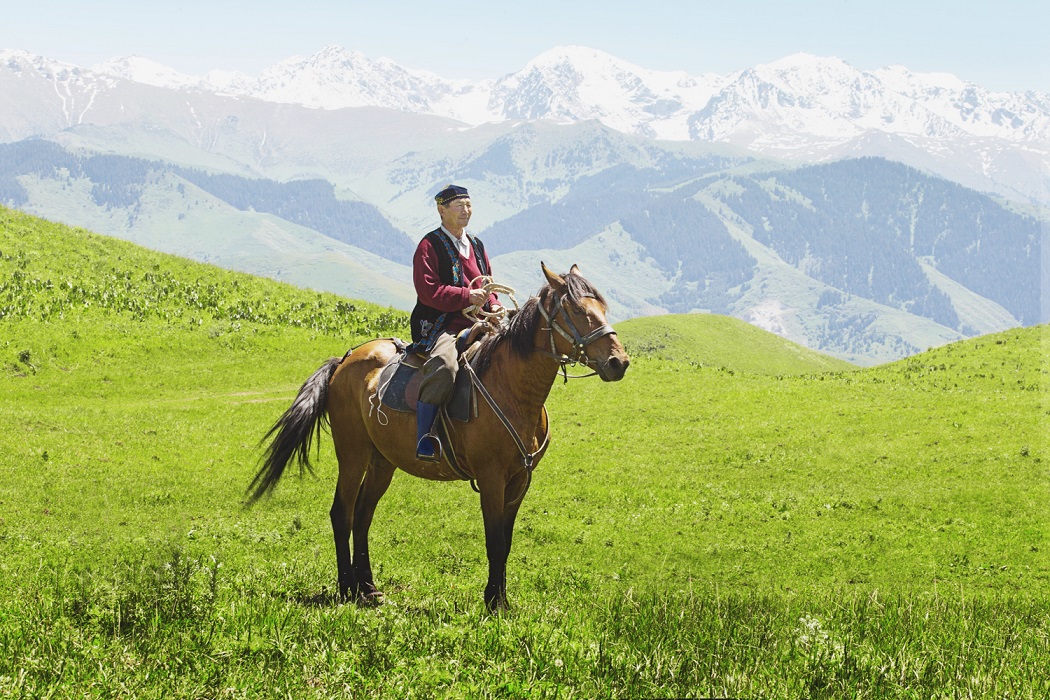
x,y
496,545
509,515
377,480
513,496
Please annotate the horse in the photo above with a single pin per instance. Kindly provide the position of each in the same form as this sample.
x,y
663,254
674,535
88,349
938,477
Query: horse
x,y
514,369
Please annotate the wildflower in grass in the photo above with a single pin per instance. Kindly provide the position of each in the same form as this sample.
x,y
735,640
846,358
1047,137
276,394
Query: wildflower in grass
x,y
813,638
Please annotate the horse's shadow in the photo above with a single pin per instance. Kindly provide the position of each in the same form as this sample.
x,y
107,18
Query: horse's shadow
x,y
324,599
332,599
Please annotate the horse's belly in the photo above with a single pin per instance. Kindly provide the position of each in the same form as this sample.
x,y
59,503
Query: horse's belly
x,y
395,438
434,472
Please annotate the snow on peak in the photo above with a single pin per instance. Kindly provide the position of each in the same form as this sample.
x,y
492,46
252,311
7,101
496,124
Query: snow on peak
x,y
579,56
16,55
19,59
143,70
229,82
336,77
805,73
904,81
575,83
330,58
791,103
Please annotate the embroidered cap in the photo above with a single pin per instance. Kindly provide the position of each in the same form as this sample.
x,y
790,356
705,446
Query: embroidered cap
x,y
450,193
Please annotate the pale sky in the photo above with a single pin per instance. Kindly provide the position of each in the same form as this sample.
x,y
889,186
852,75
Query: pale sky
x,y
1000,45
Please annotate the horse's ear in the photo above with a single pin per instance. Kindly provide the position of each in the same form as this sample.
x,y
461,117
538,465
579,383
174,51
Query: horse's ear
x,y
575,270
553,279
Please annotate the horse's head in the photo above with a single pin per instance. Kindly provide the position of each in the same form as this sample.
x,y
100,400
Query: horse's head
x,y
575,312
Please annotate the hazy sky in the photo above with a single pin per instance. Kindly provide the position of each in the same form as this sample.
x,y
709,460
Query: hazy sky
x,y
1001,45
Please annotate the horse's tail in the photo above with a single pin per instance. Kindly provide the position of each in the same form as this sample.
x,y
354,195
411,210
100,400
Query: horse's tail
x,y
295,430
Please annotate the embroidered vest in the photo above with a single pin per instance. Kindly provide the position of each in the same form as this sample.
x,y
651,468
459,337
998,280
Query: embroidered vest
x,y
427,322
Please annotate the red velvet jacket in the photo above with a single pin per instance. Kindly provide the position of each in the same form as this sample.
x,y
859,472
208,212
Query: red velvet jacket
x,y
441,277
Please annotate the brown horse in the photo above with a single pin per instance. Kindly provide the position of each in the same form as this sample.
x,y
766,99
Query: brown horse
x,y
497,450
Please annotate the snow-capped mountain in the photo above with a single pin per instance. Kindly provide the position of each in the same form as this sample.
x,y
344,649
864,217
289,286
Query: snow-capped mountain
x,y
802,108
336,78
827,98
800,94
575,84
18,62
142,70
795,99
42,96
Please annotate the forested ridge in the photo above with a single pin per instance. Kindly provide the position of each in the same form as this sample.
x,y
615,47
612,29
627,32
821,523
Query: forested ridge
x,y
863,226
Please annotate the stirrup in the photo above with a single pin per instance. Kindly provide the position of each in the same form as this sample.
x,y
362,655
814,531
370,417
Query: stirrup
x,y
434,456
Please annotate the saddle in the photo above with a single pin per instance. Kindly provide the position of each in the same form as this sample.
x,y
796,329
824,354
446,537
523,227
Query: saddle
x,y
399,380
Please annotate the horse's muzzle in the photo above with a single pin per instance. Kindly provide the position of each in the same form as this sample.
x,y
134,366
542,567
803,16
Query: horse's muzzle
x,y
613,369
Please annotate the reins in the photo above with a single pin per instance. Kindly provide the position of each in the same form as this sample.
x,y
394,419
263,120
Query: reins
x,y
528,459
478,313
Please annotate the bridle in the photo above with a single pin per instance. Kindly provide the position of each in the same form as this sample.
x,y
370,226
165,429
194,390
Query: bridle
x,y
579,342
579,356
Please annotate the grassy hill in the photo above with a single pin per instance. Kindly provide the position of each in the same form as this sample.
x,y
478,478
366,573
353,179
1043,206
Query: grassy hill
x,y
51,272
721,342
692,531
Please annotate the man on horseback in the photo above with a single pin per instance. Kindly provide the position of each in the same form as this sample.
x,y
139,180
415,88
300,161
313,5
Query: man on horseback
x,y
445,263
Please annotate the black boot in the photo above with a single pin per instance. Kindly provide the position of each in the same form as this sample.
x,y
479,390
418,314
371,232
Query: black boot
x,y
428,447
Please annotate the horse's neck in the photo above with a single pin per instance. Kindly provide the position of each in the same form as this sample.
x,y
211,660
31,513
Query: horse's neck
x,y
524,383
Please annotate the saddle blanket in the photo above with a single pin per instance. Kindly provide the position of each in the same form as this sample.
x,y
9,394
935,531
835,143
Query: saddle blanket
x,y
399,388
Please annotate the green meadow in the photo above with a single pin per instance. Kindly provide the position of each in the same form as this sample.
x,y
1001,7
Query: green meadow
x,y
738,517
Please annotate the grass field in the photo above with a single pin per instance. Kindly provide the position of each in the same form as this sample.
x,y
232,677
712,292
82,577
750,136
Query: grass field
x,y
733,519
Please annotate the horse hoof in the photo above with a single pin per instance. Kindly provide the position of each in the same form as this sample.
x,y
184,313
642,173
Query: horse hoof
x,y
371,599
498,606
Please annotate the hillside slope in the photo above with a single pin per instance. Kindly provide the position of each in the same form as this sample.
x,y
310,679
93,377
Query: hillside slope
x,y
51,273
721,341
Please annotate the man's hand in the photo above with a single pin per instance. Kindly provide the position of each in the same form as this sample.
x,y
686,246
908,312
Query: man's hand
x,y
478,297
495,320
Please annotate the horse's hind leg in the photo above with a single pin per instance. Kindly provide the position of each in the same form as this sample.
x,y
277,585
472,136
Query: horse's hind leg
x,y
353,463
375,485
341,532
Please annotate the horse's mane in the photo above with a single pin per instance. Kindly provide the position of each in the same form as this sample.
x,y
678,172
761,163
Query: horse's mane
x,y
521,329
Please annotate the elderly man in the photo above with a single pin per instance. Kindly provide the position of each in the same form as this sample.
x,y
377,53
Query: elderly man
x,y
446,261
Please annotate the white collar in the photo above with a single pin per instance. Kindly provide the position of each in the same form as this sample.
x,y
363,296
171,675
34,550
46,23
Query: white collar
x,y
462,243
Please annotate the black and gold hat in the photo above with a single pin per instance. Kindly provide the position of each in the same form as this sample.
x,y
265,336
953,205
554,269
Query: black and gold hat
x,y
451,192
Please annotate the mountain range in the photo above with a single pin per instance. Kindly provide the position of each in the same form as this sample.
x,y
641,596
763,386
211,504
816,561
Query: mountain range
x,y
802,108
685,192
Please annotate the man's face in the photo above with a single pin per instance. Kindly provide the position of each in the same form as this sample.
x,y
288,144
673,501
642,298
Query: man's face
x,y
456,214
